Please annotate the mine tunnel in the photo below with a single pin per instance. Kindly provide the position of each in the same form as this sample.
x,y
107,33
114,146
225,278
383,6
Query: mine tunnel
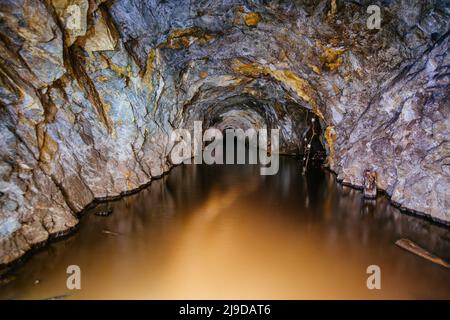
x,y
113,154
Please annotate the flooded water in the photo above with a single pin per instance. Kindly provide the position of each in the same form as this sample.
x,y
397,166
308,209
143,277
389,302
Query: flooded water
x,y
227,232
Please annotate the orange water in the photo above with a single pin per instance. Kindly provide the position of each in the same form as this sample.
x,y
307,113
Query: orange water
x,y
218,232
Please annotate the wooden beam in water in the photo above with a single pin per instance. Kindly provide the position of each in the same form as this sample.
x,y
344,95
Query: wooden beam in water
x,y
414,248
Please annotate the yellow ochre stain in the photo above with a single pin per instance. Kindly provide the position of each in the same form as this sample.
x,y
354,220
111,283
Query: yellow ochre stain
x,y
291,80
149,68
330,57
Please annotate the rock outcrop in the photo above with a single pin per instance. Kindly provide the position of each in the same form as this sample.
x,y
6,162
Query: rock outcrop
x,y
90,91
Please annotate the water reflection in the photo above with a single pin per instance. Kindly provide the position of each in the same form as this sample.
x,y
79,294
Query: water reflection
x,y
228,232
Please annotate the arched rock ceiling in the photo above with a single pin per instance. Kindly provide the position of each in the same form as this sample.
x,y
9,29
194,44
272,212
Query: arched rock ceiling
x,y
86,113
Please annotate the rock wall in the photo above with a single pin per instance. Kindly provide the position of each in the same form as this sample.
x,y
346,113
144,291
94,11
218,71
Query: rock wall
x,y
90,91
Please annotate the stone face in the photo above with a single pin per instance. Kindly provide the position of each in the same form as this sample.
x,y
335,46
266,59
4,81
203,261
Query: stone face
x,y
370,184
72,15
87,112
33,43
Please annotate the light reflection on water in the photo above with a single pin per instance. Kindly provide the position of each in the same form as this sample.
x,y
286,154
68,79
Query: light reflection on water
x,y
227,232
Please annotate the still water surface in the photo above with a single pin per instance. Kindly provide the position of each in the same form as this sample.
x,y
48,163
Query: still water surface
x,y
227,232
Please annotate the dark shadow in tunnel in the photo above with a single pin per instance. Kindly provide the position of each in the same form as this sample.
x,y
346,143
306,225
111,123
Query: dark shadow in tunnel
x,y
311,151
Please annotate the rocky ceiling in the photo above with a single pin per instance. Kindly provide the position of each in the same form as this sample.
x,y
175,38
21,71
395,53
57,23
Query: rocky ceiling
x,y
91,89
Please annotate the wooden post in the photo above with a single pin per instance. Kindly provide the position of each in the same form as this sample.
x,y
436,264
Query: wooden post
x,y
370,184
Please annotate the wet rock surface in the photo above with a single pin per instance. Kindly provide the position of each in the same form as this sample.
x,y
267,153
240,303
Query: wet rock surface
x,y
90,91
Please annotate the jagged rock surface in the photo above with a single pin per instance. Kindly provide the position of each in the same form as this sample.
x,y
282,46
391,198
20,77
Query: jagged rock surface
x,y
86,112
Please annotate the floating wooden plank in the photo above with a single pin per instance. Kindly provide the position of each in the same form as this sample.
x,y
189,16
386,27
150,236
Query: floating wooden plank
x,y
414,248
